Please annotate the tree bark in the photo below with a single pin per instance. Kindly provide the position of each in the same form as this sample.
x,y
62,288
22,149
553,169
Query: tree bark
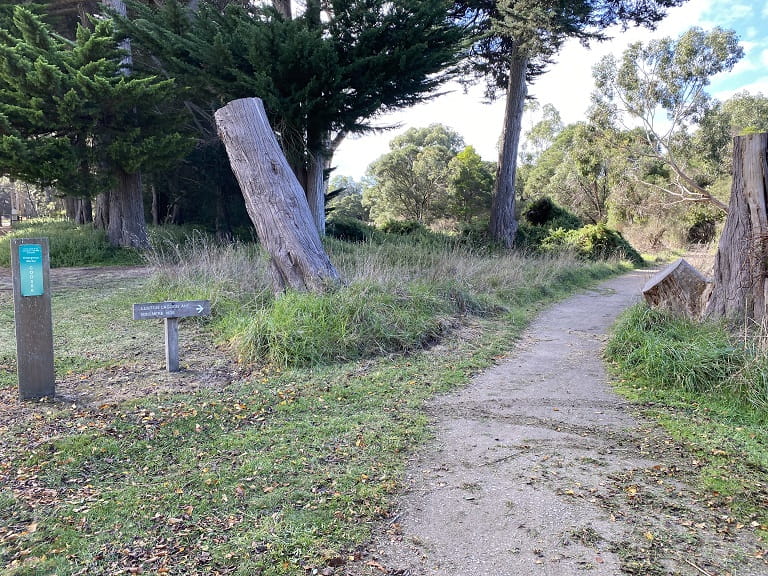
x,y
503,220
101,216
127,227
679,288
274,198
316,190
740,289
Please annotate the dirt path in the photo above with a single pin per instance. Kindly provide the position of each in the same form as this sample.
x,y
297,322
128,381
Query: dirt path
x,y
538,468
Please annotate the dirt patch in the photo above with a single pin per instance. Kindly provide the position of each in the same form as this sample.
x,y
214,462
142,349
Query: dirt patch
x,y
539,468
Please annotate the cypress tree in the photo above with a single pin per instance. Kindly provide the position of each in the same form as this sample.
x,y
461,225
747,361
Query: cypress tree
x,y
69,119
320,78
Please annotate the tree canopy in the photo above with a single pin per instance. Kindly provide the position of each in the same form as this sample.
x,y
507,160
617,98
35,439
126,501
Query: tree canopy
x,y
68,118
670,76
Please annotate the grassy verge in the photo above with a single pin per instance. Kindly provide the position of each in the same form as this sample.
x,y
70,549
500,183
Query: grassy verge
x,y
710,392
70,244
286,468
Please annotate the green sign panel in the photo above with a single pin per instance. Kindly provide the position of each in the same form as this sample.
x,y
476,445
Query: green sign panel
x,y
31,269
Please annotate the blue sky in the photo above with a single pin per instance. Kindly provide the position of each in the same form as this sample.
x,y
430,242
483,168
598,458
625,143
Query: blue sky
x,y
568,84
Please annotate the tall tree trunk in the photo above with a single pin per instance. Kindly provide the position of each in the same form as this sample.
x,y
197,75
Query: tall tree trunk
x,y
503,220
315,190
127,227
101,216
83,211
70,208
274,198
740,287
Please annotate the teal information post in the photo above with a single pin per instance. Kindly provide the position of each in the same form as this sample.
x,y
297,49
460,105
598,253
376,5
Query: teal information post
x,y
30,264
31,269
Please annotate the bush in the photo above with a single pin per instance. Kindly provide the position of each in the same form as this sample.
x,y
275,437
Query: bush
x,y
348,229
403,227
593,242
701,224
545,213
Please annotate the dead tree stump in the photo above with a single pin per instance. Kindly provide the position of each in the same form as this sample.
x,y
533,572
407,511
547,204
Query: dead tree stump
x,y
740,288
274,198
679,288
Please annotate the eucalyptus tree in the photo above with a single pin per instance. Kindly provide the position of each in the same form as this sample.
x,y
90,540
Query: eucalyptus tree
x,y
322,74
662,85
513,41
411,182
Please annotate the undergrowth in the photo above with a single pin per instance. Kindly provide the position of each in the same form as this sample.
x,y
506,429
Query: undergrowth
x,y
70,244
710,391
397,296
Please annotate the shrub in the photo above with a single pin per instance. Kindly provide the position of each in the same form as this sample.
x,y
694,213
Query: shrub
x,y
403,227
593,242
348,229
545,213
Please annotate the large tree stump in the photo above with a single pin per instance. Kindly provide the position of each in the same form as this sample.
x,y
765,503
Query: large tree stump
x,y
679,288
740,286
274,198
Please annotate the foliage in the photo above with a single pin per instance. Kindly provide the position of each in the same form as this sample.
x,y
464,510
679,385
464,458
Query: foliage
x,y
348,228
404,228
594,242
470,187
544,212
320,77
411,181
69,244
348,202
671,75
69,117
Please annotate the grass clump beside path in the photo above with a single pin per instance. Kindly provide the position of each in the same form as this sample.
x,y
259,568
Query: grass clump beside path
x,y
285,467
710,391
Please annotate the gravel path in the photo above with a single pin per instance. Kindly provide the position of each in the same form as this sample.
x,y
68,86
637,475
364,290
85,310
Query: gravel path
x,y
538,468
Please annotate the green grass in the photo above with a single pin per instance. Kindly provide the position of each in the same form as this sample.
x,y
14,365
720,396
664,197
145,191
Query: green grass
x,y
70,244
709,391
288,467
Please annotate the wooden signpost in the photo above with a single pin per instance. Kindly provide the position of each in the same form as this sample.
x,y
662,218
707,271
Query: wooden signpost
x,y
171,312
30,265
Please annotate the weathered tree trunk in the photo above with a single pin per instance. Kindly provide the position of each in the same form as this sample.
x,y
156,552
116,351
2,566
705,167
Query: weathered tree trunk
x,y
127,227
274,198
83,211
679,288
315,190
101,216
70,207
503,220
740,287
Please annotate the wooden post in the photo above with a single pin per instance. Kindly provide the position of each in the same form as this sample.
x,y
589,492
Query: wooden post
x,y
172,344
30,263
171,312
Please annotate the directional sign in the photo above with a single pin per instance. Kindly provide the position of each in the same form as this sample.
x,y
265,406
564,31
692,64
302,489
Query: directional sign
x,y
31,269
185,309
